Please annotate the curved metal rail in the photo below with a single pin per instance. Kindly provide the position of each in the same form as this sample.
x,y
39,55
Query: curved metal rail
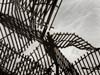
x,y
35,14
38,62
89,63
63,40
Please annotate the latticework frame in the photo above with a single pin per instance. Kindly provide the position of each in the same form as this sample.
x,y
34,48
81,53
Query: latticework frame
x,y
25,22
22,25
89,63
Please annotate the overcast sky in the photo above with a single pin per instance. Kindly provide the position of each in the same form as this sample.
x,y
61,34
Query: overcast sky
x,y
81,17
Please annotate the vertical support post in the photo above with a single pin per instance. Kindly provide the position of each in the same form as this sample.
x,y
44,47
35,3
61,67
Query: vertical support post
x,y
57,69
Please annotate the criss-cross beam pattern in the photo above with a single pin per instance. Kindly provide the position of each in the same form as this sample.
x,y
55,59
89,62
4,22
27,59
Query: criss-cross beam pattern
x,y
19,42
25,22
17,26
61,62
14,63
22,21
89,63
38,62
63,40
8,58
30,15
59,59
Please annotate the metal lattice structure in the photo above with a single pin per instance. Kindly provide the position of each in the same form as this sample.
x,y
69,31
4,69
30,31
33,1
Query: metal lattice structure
x,y
26,22
89,63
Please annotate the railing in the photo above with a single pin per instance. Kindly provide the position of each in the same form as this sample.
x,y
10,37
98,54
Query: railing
x,y
20,43
37,15
38,62
24,22
89,63
63,40
21,64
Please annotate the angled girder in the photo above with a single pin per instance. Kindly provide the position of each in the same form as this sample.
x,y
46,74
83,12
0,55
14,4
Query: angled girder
x,y
63,40
58,57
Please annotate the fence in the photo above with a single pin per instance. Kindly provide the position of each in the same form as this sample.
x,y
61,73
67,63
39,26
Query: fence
x,y
63,40
89,63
